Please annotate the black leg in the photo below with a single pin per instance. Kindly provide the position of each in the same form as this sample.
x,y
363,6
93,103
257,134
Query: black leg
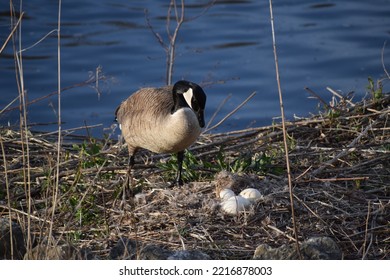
x,y
130,171
180,157
131,162
127,186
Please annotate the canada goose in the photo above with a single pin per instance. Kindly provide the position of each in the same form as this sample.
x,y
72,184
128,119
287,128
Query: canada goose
x,y
163,120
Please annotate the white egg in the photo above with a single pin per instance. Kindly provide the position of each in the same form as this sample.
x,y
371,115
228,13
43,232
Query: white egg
x,y
225,194
251,194
235,205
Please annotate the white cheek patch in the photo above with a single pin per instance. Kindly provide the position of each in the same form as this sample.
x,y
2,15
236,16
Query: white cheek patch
x,y
188,96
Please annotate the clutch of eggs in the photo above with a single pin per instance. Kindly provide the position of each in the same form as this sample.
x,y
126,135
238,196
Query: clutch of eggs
x,y
233,204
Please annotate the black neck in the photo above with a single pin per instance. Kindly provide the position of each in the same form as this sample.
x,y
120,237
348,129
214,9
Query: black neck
x,y
178,102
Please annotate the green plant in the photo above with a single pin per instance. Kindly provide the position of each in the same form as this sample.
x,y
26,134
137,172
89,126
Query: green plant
x,y
82,207
191,166
247,162
89,153
376,90
259,163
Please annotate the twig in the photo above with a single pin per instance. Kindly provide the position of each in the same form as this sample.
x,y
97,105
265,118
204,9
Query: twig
x,y
180,237
70,130
340,96
382,60
303,173
207,7
332,206
11,237
39,41
311,210
57,174
284,132
369,230
217,110
360,178
92,80
365,250
231,113
157,35
23,128
9,104
12,32
317,96
172,38
283,233
25,214
170,48
350,148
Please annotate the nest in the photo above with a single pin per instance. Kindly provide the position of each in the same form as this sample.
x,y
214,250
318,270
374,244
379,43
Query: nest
x,y
340,169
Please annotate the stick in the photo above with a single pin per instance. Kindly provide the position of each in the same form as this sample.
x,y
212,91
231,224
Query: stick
x,y
172,38
340,96
9,104
25,214
231,113
284,132
12,32
365,250
8,197
217,110
57,175
350,148
24,129
382,59
317,96
92,80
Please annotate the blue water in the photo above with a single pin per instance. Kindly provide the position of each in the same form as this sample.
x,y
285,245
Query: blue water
x,y
228,49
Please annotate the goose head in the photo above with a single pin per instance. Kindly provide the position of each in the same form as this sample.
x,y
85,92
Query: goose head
x,y
189,94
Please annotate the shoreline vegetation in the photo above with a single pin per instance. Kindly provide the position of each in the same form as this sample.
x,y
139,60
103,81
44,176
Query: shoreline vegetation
x,y
340,163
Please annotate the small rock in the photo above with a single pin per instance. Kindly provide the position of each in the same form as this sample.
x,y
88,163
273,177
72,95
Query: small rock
x,y
86,254
314,248
189,255
125,249
321,248
266,252
154,252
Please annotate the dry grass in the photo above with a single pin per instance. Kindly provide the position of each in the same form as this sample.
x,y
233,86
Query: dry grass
x,y
341,183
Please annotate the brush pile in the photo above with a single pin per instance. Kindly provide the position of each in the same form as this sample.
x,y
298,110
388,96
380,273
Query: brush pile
x,y
340,167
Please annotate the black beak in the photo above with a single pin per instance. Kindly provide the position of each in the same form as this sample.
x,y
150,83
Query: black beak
x,y
200,115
